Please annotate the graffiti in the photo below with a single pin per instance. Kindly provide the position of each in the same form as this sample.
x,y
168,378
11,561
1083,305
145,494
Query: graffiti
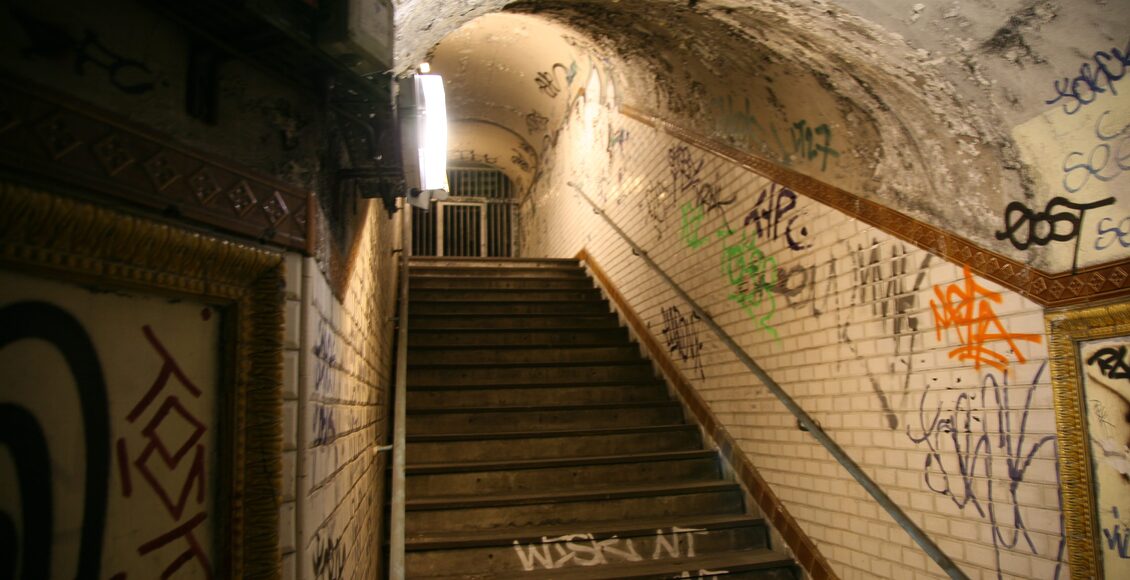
x,y
969,436
26,444
1111,362
773,205
329,558
685,176
171,453
50,40
1024,227
1099,159
324,429
547,80
681,334
547,84
803,142
701,574
1118,539
1109,67
657,204
1118,233
587,550
806,142
616,138
968,308
536,122
751,274
471,155
519,160
691,224
752,277
325,359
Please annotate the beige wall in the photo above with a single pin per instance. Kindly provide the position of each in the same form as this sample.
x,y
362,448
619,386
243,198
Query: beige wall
x,y
863,330
337,384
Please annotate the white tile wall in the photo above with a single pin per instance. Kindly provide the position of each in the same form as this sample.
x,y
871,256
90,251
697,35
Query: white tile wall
x,y
854,338
337,379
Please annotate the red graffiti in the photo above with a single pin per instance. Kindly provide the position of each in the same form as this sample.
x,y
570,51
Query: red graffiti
x,y
173,435
968,308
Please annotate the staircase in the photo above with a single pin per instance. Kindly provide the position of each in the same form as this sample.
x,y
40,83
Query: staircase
x,y
542,445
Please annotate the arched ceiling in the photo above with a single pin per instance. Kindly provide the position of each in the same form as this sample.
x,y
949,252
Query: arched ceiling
x,y
938,111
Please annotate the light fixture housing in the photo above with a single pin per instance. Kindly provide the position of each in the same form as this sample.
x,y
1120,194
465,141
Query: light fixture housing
x,y
422,109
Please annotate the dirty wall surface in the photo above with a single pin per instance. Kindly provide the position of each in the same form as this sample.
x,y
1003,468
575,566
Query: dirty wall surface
x,y
874,338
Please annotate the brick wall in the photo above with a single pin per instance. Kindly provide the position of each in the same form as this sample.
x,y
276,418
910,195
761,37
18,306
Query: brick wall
x,y
873,337
336,386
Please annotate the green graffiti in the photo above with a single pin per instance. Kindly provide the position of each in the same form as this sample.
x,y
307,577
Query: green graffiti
x,y
752,275
691,224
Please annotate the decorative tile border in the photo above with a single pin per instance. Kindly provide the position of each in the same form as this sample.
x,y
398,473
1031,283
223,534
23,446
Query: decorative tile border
x,y
51,139
1103,282
803,548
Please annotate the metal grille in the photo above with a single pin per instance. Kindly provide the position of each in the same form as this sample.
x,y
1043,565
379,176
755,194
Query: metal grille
x,y
423,232
461,230
475,221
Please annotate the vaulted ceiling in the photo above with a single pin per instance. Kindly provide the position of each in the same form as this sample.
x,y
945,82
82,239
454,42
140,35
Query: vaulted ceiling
x,y
942,111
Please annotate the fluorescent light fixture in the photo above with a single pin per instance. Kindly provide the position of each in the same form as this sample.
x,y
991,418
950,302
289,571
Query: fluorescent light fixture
x,y
432,119
423,117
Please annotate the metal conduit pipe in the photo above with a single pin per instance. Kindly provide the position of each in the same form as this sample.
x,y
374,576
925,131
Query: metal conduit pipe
x,y
400,405
805,420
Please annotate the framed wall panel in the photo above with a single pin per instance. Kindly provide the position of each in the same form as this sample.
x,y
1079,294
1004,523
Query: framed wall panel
x,y
140,407
1091,383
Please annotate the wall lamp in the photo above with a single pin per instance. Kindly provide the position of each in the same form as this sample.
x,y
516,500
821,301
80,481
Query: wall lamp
x,y
422,109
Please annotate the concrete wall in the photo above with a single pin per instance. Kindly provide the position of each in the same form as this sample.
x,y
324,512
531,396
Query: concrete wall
x,y
870,335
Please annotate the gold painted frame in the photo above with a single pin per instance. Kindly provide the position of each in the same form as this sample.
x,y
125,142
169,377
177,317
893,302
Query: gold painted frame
x,y
1066,330
58,237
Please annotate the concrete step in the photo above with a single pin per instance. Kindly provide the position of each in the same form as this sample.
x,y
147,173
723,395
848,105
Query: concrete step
x,y
524,476
459,295
505,308
484,337
450,262
599,319
553,271
607,504
448,397
524,354
525,550
489,374
545,444
757,564
469,284
500,419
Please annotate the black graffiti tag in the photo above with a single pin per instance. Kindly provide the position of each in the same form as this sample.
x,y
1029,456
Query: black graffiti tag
x,y
1111,362
1024,227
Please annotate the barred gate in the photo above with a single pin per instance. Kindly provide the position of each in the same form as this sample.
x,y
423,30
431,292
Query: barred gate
x,y
475,221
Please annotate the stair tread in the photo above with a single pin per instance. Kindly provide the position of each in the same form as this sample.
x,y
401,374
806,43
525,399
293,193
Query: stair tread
x,y
623,528
517,464
590,384
492,364
733,561
518,347
567,496
542,408
543,433
496,278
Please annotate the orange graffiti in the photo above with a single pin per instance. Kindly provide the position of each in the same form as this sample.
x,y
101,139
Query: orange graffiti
x,y
967,307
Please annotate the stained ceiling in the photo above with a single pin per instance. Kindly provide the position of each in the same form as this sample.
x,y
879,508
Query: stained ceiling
x,y
942,111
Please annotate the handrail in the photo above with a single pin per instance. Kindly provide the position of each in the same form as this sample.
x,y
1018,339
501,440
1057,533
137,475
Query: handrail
x,y
912,529
400,406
